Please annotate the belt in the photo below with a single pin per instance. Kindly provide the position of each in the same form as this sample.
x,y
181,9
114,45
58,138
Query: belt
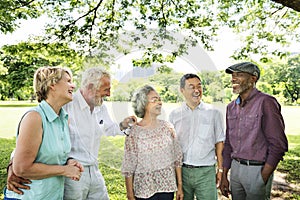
x,y
190,166
249,162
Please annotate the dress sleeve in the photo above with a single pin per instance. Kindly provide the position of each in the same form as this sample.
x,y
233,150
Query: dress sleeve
x,y
130,155
178,153
177,148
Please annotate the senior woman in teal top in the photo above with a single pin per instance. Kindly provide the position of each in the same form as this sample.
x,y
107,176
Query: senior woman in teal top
x,y
43,141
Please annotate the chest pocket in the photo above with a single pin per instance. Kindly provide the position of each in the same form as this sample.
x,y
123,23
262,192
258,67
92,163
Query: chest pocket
x,y
232,122
251,121
204,124
100,129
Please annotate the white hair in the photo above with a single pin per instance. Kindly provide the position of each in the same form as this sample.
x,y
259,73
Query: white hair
x,y
93,76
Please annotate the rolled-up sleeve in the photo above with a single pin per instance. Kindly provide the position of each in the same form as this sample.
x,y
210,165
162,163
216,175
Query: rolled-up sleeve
x,y
219,127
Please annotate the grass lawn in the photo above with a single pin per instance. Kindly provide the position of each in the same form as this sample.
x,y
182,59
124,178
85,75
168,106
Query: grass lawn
x,y
111,151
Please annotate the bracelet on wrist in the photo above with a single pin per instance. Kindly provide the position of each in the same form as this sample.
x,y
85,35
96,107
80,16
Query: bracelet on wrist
x,y
8,166
124,132
220,170
69,158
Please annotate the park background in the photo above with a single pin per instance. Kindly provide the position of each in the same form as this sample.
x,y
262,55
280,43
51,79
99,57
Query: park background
x,y
152,42
285,186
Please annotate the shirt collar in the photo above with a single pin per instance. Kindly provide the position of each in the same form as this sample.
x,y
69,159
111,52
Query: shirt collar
x,y
49,112
238,101
200,106
83,104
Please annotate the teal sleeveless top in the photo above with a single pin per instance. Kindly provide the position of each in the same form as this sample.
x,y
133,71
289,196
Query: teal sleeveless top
x,y
54,149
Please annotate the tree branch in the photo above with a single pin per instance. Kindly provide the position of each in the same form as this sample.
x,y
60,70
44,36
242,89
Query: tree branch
x,y
86,14
163,15
23,4
72,23
94,10
293,4
289,92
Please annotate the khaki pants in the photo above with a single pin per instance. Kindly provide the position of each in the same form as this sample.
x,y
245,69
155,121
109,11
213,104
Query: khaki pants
x,y
91,186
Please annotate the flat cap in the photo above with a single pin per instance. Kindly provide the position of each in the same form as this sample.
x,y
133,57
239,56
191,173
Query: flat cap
x,y
247,67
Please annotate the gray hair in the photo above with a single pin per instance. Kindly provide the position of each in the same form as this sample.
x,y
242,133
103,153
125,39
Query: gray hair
x,y
93,76
140,100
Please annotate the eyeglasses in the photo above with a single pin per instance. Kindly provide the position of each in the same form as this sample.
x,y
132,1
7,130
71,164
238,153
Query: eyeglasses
x,y
155,100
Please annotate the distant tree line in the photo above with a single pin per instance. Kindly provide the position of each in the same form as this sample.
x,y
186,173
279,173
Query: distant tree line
x,y
280,77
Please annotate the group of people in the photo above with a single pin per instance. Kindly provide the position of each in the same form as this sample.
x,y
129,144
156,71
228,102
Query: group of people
x,y
188,156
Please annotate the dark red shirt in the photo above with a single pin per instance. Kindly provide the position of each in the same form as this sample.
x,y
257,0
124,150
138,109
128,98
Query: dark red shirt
x,y
255,130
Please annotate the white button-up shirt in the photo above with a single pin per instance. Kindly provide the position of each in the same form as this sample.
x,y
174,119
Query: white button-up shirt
x,y
198,131
86,128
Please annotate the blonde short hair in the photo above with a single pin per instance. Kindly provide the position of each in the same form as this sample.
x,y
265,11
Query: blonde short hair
x,y
44,77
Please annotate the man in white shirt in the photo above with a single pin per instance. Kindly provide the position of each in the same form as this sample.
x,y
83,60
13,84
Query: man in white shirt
x,y
200,131
88,121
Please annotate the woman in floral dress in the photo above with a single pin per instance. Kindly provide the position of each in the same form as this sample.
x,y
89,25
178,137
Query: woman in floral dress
x,y
152,155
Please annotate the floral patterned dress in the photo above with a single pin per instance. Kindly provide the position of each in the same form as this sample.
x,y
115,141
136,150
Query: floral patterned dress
x,y
150,156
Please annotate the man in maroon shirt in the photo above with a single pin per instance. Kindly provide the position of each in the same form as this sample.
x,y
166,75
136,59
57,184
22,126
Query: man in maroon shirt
x,y
255,139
